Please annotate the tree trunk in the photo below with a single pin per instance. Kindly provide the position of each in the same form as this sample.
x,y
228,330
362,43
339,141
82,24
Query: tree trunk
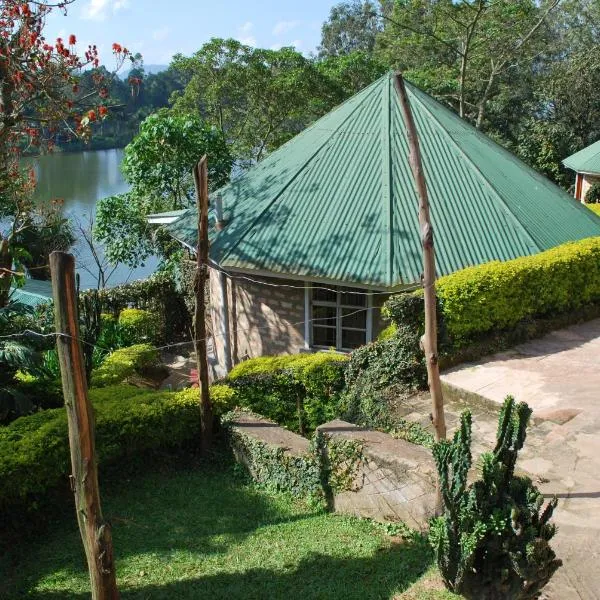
x,y
5,272
429,339
95,532
206,413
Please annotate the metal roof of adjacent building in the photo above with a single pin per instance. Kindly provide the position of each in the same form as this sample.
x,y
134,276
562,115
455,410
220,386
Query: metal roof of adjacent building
x,y
338,202
34,292
586,160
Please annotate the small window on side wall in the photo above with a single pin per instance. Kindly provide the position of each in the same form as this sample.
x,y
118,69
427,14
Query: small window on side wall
x,y
339,318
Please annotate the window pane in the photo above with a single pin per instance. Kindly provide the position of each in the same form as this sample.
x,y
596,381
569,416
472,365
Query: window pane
x,y
352,318
324,315
324,336
324,295
347,298
353,339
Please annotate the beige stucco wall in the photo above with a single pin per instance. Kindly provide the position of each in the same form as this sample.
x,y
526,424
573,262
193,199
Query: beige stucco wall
x,y
265,318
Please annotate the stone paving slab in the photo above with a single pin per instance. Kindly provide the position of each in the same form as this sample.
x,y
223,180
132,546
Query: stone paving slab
x,y
559,377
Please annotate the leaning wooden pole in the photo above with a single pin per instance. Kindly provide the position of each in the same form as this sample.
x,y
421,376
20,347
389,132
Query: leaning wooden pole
x,y
429,339
95,532
206,413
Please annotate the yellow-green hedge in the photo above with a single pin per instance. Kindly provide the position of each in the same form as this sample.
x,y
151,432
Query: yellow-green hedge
x,y
594,208
498,295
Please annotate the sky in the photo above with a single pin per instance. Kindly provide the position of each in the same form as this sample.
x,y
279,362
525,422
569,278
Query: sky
x,y
160,29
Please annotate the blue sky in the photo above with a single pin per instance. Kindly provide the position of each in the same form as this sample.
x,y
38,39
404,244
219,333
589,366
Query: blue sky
x,y
160,29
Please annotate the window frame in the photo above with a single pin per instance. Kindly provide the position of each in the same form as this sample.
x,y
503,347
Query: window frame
x,y
310,302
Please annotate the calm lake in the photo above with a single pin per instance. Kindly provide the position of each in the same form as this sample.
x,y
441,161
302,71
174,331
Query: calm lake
x,y
81,179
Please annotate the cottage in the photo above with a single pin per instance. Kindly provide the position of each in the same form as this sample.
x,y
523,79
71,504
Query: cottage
x,y
586,164
311,240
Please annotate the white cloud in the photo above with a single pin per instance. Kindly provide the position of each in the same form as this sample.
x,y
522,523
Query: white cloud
x,y
161,34
284,26
99,10
297,44
244,34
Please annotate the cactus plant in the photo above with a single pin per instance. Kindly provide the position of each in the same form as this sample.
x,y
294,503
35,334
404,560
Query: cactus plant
x,y
492,540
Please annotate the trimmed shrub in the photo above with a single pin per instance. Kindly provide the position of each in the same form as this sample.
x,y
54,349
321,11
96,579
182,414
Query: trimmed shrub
x,y
499,295
222,396
158,294
299,391
141,359
34,450
595,208
139,326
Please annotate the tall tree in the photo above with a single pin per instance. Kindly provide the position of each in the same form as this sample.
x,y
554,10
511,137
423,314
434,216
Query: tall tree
x,y
352,26
467,53
40,98
257,98
158,164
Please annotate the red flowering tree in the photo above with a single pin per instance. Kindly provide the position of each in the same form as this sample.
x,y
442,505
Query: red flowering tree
x,y
41,101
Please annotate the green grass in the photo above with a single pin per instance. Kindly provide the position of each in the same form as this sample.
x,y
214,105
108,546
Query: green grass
x,y
196,532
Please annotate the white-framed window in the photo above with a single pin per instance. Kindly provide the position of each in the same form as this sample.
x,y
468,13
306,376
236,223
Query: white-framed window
x,y
340,317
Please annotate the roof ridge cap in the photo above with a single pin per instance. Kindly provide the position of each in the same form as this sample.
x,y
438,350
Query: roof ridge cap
x,y
485,180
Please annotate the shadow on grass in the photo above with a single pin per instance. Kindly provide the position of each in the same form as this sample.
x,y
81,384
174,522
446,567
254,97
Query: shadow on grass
x,y
388,572
200,533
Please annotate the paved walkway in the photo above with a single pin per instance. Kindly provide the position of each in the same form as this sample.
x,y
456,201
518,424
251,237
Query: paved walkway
x,y
559,377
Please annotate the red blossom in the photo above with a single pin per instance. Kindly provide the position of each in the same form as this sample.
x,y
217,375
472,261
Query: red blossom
x,y
72,40
91,115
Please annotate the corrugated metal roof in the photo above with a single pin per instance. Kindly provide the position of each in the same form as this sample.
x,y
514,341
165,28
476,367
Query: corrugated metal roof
x,y
338,201
586,160
33,293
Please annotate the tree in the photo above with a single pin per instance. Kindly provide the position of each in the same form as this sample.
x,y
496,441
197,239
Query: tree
x,y
158,164
466,53
349,73
257,98
40,99
352,26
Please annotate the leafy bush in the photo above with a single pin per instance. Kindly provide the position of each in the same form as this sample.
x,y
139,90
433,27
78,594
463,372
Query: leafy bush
x,y
492,540
387,368
595,208
499,295
222,397
139,326
158,294
592,196
141,360
34,450
299,391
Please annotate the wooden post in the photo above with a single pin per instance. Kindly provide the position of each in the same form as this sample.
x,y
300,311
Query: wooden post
x,y
95,532
206,413
429,339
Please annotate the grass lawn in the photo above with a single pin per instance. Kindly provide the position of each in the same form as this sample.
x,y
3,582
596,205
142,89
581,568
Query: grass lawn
x,y
198,532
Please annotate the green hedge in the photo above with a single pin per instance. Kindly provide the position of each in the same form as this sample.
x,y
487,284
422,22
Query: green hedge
x,y
124,363
34,450
499,295
158,294
299,391
594,208
139,326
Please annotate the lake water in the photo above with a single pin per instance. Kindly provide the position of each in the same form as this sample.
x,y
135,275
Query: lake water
x,y
81,179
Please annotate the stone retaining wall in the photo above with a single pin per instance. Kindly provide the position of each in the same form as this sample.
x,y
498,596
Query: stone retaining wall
x,y
393,481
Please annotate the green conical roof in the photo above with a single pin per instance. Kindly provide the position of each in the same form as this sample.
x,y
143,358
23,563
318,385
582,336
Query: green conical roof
x,y
586,160
338,202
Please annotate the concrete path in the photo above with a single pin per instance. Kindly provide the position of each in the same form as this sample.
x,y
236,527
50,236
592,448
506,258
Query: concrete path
x,y
559,377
